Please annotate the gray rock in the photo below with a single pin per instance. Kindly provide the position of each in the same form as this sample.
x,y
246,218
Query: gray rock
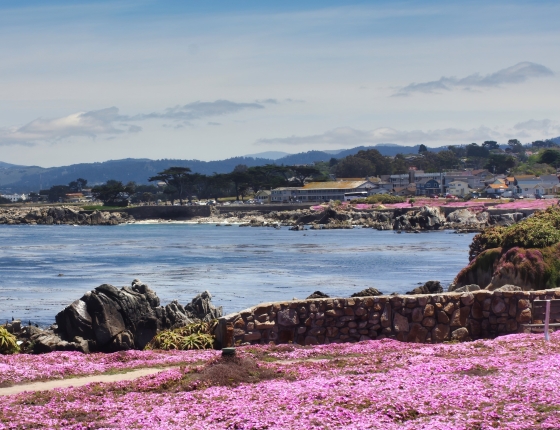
x,y
466,288
288,317
461,334
318,295
112,319
367,293
509,288
430,287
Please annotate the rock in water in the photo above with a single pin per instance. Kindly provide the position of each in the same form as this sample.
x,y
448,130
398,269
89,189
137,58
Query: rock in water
x,y
430,287
367,292
318,295
109,319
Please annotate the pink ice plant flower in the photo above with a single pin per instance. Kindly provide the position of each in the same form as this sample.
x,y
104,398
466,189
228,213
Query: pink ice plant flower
x,y
20,368
512,382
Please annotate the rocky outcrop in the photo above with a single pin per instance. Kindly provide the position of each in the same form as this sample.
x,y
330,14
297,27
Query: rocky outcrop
x,y
525,254
112,319
61,215
318,295
426,218
347,216
430,287
368,292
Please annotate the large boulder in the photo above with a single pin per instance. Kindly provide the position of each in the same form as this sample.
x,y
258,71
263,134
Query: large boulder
x,y
426,218
368,292
430,287
112,319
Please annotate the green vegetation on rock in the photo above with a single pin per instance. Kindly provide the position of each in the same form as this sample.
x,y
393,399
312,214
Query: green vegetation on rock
x,y
8,342
526,254
192,336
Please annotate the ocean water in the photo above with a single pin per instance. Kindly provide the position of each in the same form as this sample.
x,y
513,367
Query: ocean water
x,y
45,268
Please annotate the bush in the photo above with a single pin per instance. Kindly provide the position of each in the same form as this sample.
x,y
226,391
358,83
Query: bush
x,y
538,231
380,198
8,342
192,336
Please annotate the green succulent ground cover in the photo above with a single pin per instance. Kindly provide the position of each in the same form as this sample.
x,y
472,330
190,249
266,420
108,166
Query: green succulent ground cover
x,y
192,336
8,342
530,248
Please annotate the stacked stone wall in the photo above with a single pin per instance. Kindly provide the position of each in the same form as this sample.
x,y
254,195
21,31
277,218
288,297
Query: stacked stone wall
x,y
419,318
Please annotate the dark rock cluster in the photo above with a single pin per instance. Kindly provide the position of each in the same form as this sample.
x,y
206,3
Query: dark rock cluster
x,y
61,215
111,319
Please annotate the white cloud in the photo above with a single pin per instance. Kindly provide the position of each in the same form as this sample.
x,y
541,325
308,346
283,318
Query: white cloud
x,y
109,122
348,137
519,73
198,110
89,124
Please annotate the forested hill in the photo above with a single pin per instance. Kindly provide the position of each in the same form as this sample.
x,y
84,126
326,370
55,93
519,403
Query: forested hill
x,y
32,178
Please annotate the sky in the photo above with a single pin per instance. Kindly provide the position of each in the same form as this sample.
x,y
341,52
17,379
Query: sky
x,y
97,80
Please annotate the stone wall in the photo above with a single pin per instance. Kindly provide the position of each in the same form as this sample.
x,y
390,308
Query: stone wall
x,y
419,318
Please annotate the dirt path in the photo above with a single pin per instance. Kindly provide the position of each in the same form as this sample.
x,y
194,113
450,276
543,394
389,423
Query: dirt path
x,y
80,381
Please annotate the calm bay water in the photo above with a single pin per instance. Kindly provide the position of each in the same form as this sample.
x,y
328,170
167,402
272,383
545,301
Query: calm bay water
x,y
239,266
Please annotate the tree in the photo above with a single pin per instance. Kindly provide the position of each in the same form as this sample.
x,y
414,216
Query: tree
x,y
301,173
78,185
422,149
490,144
550,156
500,163
354,167
515,145
57,193
177,178
113,193
473,150
240,179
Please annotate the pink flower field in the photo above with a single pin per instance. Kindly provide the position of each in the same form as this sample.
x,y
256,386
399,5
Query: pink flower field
x,y
21,368
512,382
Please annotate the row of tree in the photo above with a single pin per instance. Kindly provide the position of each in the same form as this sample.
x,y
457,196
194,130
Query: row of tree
x,y
180,183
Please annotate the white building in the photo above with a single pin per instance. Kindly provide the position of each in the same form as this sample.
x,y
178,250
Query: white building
x,y
333,190
458,188
14,197
283,194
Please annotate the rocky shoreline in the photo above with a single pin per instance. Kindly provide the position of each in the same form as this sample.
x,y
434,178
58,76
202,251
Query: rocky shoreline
x,y
415,219
57,215
420,219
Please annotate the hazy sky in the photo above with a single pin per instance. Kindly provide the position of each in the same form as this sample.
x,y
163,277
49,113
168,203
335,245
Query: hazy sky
x,y
92,81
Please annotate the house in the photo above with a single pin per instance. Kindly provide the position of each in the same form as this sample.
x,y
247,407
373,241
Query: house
x,y
283,194
428,187
550,184
458,188
527,185
263,196
496,189
408,191
332,190
73,197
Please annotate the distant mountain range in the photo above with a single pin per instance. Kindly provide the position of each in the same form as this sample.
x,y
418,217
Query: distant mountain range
x,y
22,179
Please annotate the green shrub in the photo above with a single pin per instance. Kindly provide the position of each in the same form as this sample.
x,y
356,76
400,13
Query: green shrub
x,y
380,198
538,231
193,336
8,342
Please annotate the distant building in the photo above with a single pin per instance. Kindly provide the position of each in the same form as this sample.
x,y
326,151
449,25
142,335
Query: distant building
x,y
332,190
458,188
263,196
14,198
283,194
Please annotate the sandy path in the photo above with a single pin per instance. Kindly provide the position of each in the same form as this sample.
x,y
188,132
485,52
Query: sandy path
x,y
80,381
